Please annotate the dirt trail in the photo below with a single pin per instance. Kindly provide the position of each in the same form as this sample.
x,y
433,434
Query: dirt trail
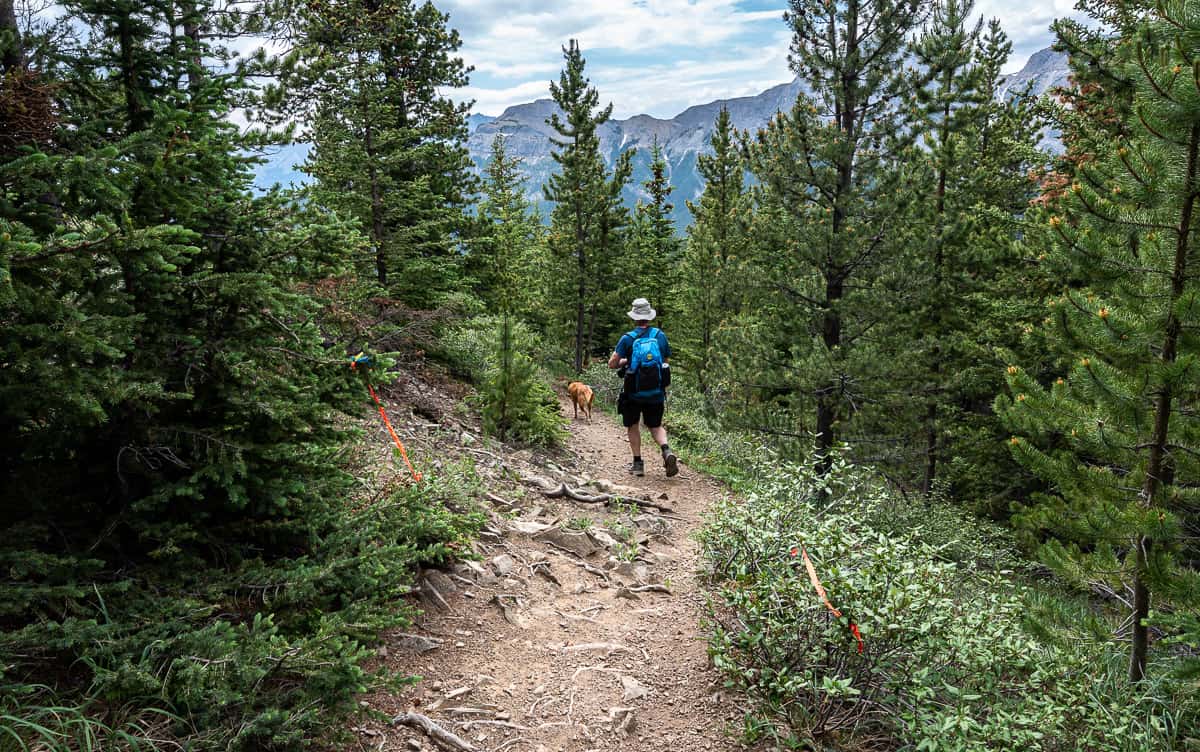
x,y
540,649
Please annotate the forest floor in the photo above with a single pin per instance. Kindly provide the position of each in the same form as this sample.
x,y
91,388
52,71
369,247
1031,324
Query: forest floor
x,y
579,628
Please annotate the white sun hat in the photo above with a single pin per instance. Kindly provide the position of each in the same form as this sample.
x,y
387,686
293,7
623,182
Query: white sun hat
x,y
642,311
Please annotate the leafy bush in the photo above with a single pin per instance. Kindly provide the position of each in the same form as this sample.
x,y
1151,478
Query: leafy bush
x,y
950,660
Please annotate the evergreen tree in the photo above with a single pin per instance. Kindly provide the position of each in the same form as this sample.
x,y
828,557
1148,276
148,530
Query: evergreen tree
x,y
654,256
947,105
503,258
711,287
585,216
611,261
976,156
514,401
832,163
371,77
169,413
1114,434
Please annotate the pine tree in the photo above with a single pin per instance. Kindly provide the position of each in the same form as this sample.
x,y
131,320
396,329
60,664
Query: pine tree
x,y
585,215
710,290
947,105
654,255
1113,434
611,261
832,164
515,403
371,77
977,151
504,256
169,413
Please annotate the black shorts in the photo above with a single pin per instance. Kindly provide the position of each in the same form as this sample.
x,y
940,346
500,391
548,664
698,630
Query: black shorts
x,y
650,413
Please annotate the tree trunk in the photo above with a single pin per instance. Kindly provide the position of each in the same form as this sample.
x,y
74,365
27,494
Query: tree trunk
x,y
11,54
1155,464
829,396
128,73
192,19
939,261
377,224
581,292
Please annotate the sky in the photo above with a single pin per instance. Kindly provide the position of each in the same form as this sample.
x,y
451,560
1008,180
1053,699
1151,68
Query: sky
x,y
658,57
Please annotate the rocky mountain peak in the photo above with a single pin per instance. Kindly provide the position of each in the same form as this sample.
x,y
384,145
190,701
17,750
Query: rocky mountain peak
x,y
682,137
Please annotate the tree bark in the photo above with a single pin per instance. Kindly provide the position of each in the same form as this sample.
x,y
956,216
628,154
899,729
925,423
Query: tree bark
x,y
377,224
829,397
1155,464
581,293
939,261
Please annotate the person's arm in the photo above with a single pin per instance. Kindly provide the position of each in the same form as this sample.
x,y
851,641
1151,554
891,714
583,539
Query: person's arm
x,y
616,360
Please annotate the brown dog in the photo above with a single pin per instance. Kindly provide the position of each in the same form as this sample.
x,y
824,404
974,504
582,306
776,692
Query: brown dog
x,y
581,398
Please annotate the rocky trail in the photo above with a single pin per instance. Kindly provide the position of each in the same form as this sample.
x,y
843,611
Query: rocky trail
x,y
579,628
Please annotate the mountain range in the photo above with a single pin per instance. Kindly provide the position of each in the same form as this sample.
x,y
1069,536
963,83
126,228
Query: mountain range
x,y
682,138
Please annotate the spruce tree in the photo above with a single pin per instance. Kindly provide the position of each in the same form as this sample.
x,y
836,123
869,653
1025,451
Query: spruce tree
x,y
512,401
611,262
585,214
710,290
654,255
831,162
371,77
169,412
976,153
1114,434
504,255
947,105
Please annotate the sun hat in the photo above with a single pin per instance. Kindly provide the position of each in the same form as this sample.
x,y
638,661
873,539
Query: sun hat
x,y
642,311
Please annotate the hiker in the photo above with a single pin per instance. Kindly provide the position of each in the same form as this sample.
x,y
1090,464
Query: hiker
x,y
643,355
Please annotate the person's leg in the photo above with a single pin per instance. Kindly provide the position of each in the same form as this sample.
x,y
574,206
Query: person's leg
x,y
631,413
660,435
653,416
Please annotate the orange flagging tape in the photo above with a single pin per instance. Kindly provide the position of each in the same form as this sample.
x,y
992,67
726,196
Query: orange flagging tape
x,y
399,444
816,582
383,414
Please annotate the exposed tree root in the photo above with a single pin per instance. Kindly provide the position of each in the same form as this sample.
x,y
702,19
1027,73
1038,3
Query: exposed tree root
x,y
562,490
443,738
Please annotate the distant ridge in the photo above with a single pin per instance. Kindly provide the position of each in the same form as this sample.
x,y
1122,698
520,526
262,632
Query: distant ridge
x,y
682,137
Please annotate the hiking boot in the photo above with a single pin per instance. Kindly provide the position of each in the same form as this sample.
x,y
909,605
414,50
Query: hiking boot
x,y
637,467
671,462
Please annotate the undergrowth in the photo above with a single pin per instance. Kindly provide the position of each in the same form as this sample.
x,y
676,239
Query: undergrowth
x,y
965,645
514,398
243,654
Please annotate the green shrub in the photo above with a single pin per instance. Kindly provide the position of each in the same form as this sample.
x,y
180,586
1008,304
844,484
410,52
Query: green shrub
x,y
950,661
515,400
239,655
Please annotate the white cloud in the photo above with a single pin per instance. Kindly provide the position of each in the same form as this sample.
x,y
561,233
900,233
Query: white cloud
x,y
516,50
660,56
1027,23
529,31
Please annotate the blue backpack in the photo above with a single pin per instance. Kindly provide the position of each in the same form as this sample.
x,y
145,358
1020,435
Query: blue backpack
x,y
645,369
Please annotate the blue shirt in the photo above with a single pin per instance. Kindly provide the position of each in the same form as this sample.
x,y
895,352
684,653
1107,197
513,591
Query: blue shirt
x,y
625,346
